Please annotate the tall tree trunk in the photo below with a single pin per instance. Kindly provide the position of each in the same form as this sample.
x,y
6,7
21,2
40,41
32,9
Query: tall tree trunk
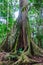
x,y
23,39
23,21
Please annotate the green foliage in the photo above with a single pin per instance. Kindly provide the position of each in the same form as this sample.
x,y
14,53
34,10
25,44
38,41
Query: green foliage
x,y
35,19
7,10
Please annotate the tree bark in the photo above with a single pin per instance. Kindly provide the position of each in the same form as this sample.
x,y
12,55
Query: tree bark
x,y
23,21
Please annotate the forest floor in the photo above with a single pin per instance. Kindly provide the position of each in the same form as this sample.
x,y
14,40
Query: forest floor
x,y
39,59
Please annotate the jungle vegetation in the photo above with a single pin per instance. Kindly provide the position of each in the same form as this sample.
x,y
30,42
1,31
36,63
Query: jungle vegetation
x,y
21,32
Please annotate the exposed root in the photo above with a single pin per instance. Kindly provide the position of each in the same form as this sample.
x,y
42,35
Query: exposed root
x,y
36,49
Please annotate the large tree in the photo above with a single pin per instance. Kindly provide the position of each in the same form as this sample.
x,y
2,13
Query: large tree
x,y
23,37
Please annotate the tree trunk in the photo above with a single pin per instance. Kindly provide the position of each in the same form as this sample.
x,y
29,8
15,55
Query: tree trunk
x,y
23,40
23,21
